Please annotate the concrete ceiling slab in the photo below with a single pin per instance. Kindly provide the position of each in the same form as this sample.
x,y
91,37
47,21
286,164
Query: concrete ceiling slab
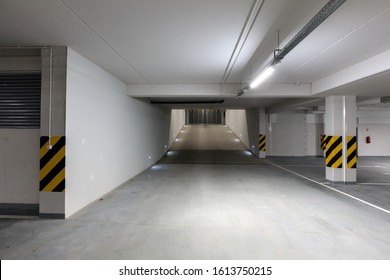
x,y
191,42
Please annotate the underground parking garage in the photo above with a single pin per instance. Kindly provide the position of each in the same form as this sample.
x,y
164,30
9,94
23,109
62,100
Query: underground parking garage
x,y
164,146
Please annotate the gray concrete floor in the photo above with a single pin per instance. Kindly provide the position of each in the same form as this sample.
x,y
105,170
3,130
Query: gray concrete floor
x,y
197,210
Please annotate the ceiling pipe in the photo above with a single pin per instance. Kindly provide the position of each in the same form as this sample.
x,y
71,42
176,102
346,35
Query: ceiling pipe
x,y
245,31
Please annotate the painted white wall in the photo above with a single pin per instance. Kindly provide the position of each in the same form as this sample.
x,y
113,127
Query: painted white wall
x,y
376,124
315,128
19,166
295,134
178,119
288,135
236,120
111,137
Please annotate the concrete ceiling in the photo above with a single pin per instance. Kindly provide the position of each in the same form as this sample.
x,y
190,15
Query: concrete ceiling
x,y
186,42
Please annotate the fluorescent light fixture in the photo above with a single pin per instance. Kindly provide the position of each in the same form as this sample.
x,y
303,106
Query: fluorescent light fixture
x,y
262,77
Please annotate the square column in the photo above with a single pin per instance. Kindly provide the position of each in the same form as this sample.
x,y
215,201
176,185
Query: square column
x,y
340,130
52,148
263,123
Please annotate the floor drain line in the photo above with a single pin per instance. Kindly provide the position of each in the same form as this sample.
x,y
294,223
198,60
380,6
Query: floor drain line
x,y
333,189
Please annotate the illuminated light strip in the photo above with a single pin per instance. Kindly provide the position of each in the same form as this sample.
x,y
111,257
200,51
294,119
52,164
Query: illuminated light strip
x,y
262,77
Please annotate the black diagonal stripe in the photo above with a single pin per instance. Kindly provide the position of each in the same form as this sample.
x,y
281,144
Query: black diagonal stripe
x,y
51,153
351,156
351,142
262,147
326,140
50,176
334,146
340,165
354,166
44,139
262,136
336,158
60,187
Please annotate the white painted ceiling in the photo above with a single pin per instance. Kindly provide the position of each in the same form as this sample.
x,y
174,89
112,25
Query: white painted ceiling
x,y
191,41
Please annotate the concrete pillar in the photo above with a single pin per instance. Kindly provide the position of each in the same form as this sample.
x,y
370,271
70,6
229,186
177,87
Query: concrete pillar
x,y
52,152
340,125
263,124
252,124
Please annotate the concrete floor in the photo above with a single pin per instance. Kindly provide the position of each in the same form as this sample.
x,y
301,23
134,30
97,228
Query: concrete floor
x,y
193,210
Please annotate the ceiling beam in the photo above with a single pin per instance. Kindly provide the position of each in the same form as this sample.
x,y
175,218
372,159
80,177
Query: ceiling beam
x,y
370,67
217,90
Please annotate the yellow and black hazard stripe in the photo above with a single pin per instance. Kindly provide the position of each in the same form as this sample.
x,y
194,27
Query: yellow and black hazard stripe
x,y
52,164
334,152
261,142
324,141
351,152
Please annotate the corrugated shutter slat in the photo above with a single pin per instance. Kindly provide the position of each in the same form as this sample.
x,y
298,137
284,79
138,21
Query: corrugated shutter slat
x,y
20,100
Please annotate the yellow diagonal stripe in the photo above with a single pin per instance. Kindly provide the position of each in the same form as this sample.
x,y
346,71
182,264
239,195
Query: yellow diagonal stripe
x,y
351,163
55,182
44,149
52,163
351,149
337,163
335,151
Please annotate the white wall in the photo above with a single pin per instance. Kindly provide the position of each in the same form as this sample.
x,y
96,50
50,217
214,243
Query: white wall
x,y
236,120
376,124
314,130
111,137
296,134
288,133
178,119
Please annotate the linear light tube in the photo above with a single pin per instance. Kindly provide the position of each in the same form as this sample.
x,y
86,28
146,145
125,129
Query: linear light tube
x,y
262,77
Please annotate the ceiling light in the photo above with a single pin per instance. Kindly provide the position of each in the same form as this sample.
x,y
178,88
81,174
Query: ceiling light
x,y
279,54
262,76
